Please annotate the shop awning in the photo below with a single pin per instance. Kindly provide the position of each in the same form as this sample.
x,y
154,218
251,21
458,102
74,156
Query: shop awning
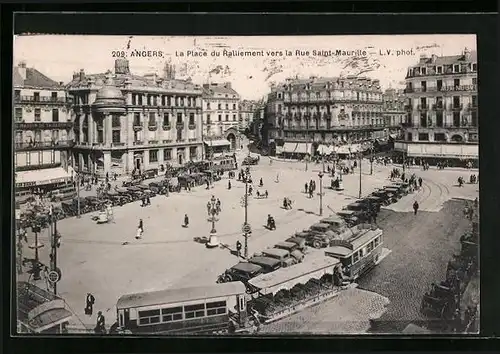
x,y
325,149
41,177
297,148
221,142
313,267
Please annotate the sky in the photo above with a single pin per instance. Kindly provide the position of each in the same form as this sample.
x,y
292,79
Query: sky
x,y
251,76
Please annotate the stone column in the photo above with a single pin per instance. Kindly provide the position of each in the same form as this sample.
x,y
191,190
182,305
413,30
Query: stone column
x,y
161,158
107,161
108,137
80,131
145,160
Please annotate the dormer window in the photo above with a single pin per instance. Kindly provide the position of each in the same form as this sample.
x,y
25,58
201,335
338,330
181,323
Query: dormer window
x,y
424,71
474,66
456,68
417,71
279,95
439,69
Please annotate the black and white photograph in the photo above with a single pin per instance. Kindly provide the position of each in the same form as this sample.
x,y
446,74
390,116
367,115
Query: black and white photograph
x,y
246,185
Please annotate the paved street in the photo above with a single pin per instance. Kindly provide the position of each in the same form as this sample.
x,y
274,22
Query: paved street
x,y
93,258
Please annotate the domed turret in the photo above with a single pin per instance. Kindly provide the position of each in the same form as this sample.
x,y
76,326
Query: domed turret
x,y
109,98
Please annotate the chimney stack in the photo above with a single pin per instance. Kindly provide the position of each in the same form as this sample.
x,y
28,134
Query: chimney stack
x,y
82,74
22,69
227,85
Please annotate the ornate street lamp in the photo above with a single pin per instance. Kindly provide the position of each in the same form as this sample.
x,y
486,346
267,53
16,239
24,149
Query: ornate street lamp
x,y
320,175
36,265
213,211
360,155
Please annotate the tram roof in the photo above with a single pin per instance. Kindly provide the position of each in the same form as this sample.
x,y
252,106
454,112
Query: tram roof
x,y
313,267
346,247
167,296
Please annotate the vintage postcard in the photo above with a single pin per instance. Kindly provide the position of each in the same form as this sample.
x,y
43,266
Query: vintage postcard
x,y
246,185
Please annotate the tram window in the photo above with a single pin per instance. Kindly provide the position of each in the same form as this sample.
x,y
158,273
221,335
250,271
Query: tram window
x,y
189,314
212,305
177,316
171,310
199,314
155,319
166,318
361,253
144,320
194,307
355,257
149,313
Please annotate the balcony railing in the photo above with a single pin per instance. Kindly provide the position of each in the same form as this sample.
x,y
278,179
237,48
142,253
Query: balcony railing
x,y
192,126
42,100
152,127
120,144
167,141
44,145
191,140
138,142
166,127
179,125
422,107
37,167
42,125
438,106
435,125
137,127
457,88
455,107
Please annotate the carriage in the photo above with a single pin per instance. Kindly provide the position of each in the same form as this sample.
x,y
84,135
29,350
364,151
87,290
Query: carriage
x,y
440,302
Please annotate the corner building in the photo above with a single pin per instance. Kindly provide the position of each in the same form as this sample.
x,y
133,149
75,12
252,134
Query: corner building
x,y
42,131
323,110
221,107
125,122
394,110
442,111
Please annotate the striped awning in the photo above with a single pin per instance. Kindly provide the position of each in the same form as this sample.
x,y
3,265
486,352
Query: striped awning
x,y
297,148
325,149
41,177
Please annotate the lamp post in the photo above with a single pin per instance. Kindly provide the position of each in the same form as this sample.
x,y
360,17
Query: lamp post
x,y
320,175
78,180
36,266
55,243
213,213
371,158
360,159
246,225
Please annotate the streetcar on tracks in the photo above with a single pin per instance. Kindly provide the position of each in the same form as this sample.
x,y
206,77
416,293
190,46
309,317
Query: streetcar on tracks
x,y
215,309
358,254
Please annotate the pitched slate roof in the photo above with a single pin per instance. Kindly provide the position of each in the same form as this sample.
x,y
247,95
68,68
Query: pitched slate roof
x,y
212,89
452,59
34,78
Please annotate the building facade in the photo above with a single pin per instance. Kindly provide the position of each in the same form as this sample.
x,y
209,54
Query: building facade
x,y
247,113
394,111
221,111
125,122
42,129
324,110
442,111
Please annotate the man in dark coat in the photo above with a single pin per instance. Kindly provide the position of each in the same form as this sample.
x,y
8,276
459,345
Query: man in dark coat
x,y
89,304
415,207
100,327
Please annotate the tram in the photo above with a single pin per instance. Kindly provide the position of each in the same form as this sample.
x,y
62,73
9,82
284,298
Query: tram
x,y
358,254
219,308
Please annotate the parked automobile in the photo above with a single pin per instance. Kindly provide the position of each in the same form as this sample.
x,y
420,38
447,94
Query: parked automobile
x,y
336,223
151,173
292,248
268,264
349,216
299,241
250,160
285,257
243,271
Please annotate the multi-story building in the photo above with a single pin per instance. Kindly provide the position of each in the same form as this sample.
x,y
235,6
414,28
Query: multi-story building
x,y
247,113
442,120
221,107
125,122
42,130
323,110
394,111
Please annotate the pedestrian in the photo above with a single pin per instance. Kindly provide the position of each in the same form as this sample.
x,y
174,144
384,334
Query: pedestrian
x,y
306,188
420,181
266,193
229,184
186,220
261,183
89,304
140,229
476,202
100,327
415,207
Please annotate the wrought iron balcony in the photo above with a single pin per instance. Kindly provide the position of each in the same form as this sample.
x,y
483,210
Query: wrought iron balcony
x,y
42,100
438,106
152,127
153,142
192,126
138,142
138,127
179,125
44,145
166,127
120,144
